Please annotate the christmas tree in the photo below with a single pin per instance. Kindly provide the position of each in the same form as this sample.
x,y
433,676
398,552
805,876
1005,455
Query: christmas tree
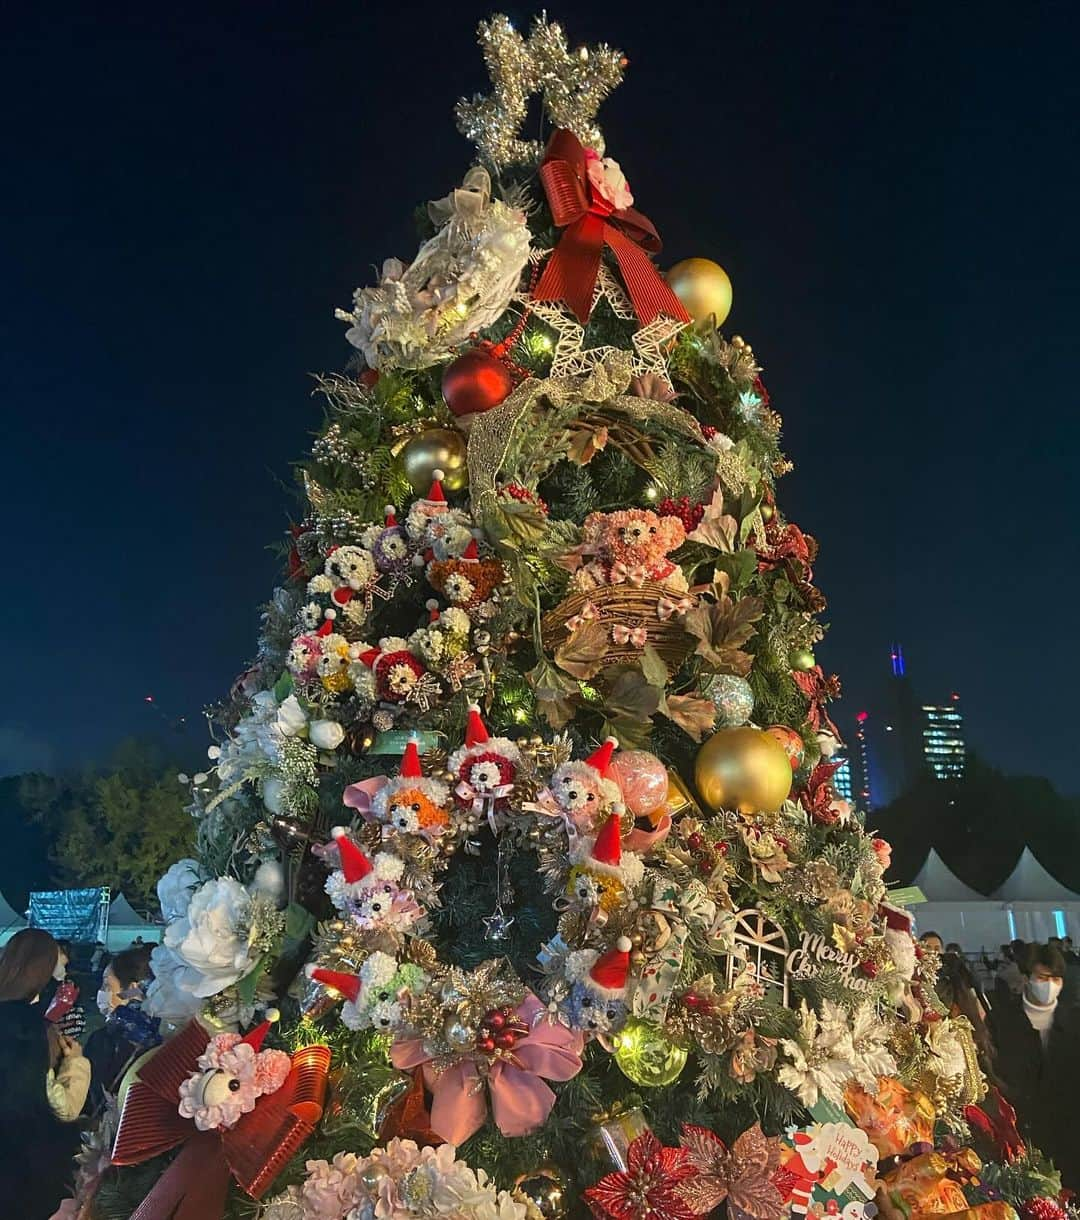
x,y
522,817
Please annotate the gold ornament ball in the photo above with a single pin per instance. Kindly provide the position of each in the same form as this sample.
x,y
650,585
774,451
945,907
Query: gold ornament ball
x,y
703,287
435,449
742,769
802,658
646,1055
547,1189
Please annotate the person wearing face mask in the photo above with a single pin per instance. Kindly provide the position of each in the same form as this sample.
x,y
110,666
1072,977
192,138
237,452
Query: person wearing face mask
x,y
44,1079
127,1031
1038,1058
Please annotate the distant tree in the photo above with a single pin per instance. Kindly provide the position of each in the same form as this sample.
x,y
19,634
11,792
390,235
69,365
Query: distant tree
x,y
981,823
121,826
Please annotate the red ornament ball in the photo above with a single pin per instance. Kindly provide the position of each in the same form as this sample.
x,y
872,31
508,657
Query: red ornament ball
x,y
794,746
475,382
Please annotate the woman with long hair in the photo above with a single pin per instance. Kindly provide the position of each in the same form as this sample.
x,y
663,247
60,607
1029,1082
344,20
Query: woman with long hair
x,y
44,1080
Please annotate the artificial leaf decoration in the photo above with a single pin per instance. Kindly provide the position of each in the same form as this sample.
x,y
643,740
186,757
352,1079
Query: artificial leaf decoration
x,y
552,689
716,528
629,695
722,626
694,716
650,1187
742,1174
817,796
582,654
585,443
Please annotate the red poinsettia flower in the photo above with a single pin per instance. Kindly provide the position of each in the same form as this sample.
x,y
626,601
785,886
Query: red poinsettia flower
x,y
817,796
648,1190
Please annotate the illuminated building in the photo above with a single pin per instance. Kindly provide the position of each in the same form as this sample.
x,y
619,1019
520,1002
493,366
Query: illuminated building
x,y
864,791
943,746
843,781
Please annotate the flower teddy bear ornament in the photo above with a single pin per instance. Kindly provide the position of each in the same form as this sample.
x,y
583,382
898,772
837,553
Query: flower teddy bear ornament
x,y
232,1074
629,546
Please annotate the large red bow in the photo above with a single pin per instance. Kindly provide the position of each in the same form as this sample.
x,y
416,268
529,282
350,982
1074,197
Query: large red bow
x,y
591,222
195,1186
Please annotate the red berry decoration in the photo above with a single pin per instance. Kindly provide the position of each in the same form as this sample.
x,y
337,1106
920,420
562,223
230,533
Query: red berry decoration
x,y
475,382
1042,1208
869,968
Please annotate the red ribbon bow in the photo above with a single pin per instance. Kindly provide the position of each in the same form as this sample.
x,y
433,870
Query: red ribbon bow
x,y
590,223
195,1186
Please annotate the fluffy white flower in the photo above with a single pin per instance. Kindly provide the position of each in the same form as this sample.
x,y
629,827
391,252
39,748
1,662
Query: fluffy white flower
x,y
455,621
378,969
208,939
311,616
174,890
388,867
269,879
326,734
320,583
273,790
608,180
363,680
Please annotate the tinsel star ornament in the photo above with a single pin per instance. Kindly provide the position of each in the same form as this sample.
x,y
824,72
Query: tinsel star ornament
x,y
572,84
572,358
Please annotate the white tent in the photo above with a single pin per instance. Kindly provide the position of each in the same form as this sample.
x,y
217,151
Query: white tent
x,y
10,921
1030,882
125,924
940,884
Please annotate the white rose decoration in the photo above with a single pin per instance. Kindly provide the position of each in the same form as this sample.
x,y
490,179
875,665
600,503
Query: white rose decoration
x,y
208,938
272,792
291,717
326,734
166,997
174,890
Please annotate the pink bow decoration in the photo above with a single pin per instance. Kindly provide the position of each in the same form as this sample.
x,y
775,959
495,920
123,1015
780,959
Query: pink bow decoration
x,y
588,613
520,1100
637,576
637,636
484,800
361,796
667,606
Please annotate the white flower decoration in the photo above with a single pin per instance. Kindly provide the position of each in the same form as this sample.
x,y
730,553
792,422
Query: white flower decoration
x,y
208,939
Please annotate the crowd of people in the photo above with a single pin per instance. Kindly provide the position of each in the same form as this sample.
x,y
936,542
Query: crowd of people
x,y
1026,1016
50,1076
1025,1011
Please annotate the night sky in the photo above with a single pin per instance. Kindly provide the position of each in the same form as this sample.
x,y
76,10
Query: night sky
x,y
190,190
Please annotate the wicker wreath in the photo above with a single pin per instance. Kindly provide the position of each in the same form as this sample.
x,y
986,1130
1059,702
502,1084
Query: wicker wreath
x,y
629,606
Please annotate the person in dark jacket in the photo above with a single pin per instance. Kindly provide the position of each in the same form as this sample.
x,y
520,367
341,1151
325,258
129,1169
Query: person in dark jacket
x,y
127,1031
1037,1039
43,1081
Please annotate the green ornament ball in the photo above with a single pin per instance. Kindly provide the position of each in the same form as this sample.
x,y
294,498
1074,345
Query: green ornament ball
x,y
646,1055
802,658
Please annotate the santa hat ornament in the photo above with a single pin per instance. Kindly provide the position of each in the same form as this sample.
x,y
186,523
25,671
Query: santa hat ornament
x,y
347,984
611,970
354,864
410,761
476,733
391,519
432,607
471,554
478,748
255,1037
600,759
605,854
435,492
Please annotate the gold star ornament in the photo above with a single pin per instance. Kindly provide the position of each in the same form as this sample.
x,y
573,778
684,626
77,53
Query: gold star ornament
x,y
571,83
